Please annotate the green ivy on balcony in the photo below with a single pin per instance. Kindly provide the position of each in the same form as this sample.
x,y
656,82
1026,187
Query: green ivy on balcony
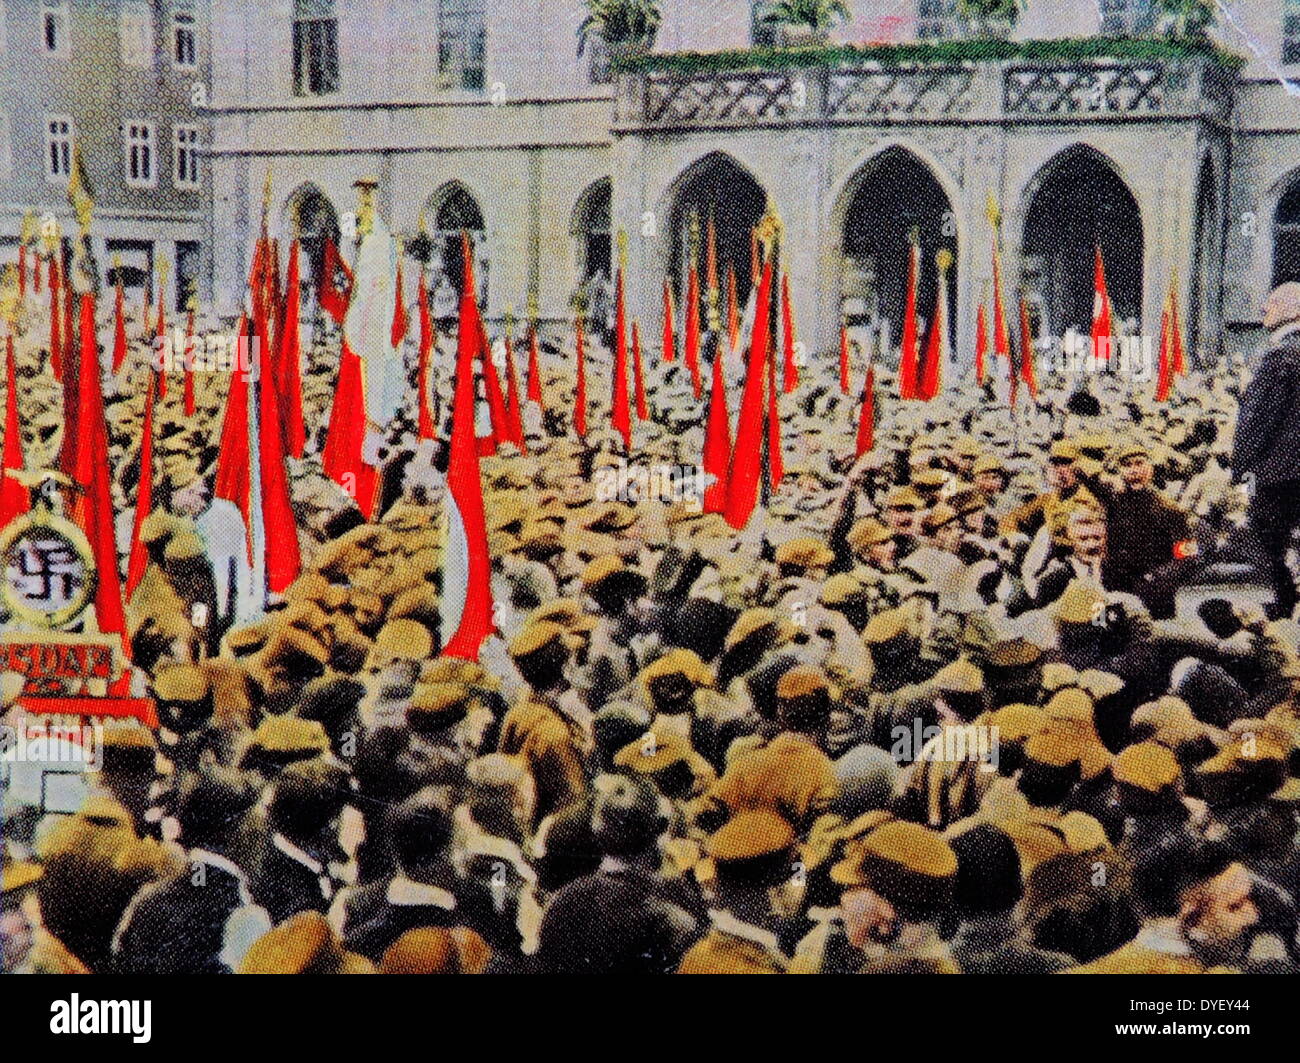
x,y
942,52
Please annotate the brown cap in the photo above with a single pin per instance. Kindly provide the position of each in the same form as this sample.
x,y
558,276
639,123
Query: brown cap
x,y
1146,766
909,865
804,553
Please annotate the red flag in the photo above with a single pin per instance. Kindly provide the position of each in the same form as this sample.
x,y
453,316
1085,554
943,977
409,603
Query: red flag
x,y
341,457
775,460
670,331
119,328
534,369
36,274
69,339
733,310
642,410
56,321
844,359
981,345
466,602
580,394
234,480
1102,326
907,369
790,375
717,440
514,411
620,403
1177,358
188,355
1001,336
400,320
746,456
161,333
139,558
283,563
932,370
1165,376
22,271
289,357
13,495
95,507
1027,371
867,418
426,352
333,295
692,341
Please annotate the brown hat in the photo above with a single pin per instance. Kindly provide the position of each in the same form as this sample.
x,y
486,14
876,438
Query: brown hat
x,y
535,637
750,624
885,627
804,553
750,836
302,944
434,950
868,532
1018,722
678,662
653,752
844,590
912,867
1146,766
939,517
435,706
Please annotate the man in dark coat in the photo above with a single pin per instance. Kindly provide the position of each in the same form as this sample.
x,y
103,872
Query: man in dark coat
x,y
1266,455
187,924
626,918
426,890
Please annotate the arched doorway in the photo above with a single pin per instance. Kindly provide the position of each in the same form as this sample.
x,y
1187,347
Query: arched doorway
x,y
311,217
592,231
1286,235
717,187
892,199
452,211
1077,203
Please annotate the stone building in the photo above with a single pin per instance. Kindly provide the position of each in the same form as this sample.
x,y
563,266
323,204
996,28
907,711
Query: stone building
x,y
114,80
481,115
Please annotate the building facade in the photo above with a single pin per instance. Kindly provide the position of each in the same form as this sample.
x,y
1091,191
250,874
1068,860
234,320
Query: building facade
x,y
482,115
122,83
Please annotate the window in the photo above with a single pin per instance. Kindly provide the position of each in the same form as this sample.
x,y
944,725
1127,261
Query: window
x,y
1126,18
1291,32
315,48
462,44
185,156
59,131
54,27
184,56
141,171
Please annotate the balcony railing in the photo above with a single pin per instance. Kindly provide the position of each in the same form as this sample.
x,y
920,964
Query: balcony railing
x,y
870,93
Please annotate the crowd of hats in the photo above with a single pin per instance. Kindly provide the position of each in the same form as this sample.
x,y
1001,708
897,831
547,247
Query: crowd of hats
x,y
754,680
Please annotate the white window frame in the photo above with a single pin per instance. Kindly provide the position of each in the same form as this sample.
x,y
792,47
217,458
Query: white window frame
x,y
58,175
57,9
136,36
130,142
179,12
185,144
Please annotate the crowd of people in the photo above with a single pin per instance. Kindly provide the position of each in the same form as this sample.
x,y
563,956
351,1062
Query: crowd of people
x,y
1015,691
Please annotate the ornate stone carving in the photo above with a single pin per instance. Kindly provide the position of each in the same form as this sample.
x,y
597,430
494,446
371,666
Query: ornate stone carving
x,y
1102,88
923,91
